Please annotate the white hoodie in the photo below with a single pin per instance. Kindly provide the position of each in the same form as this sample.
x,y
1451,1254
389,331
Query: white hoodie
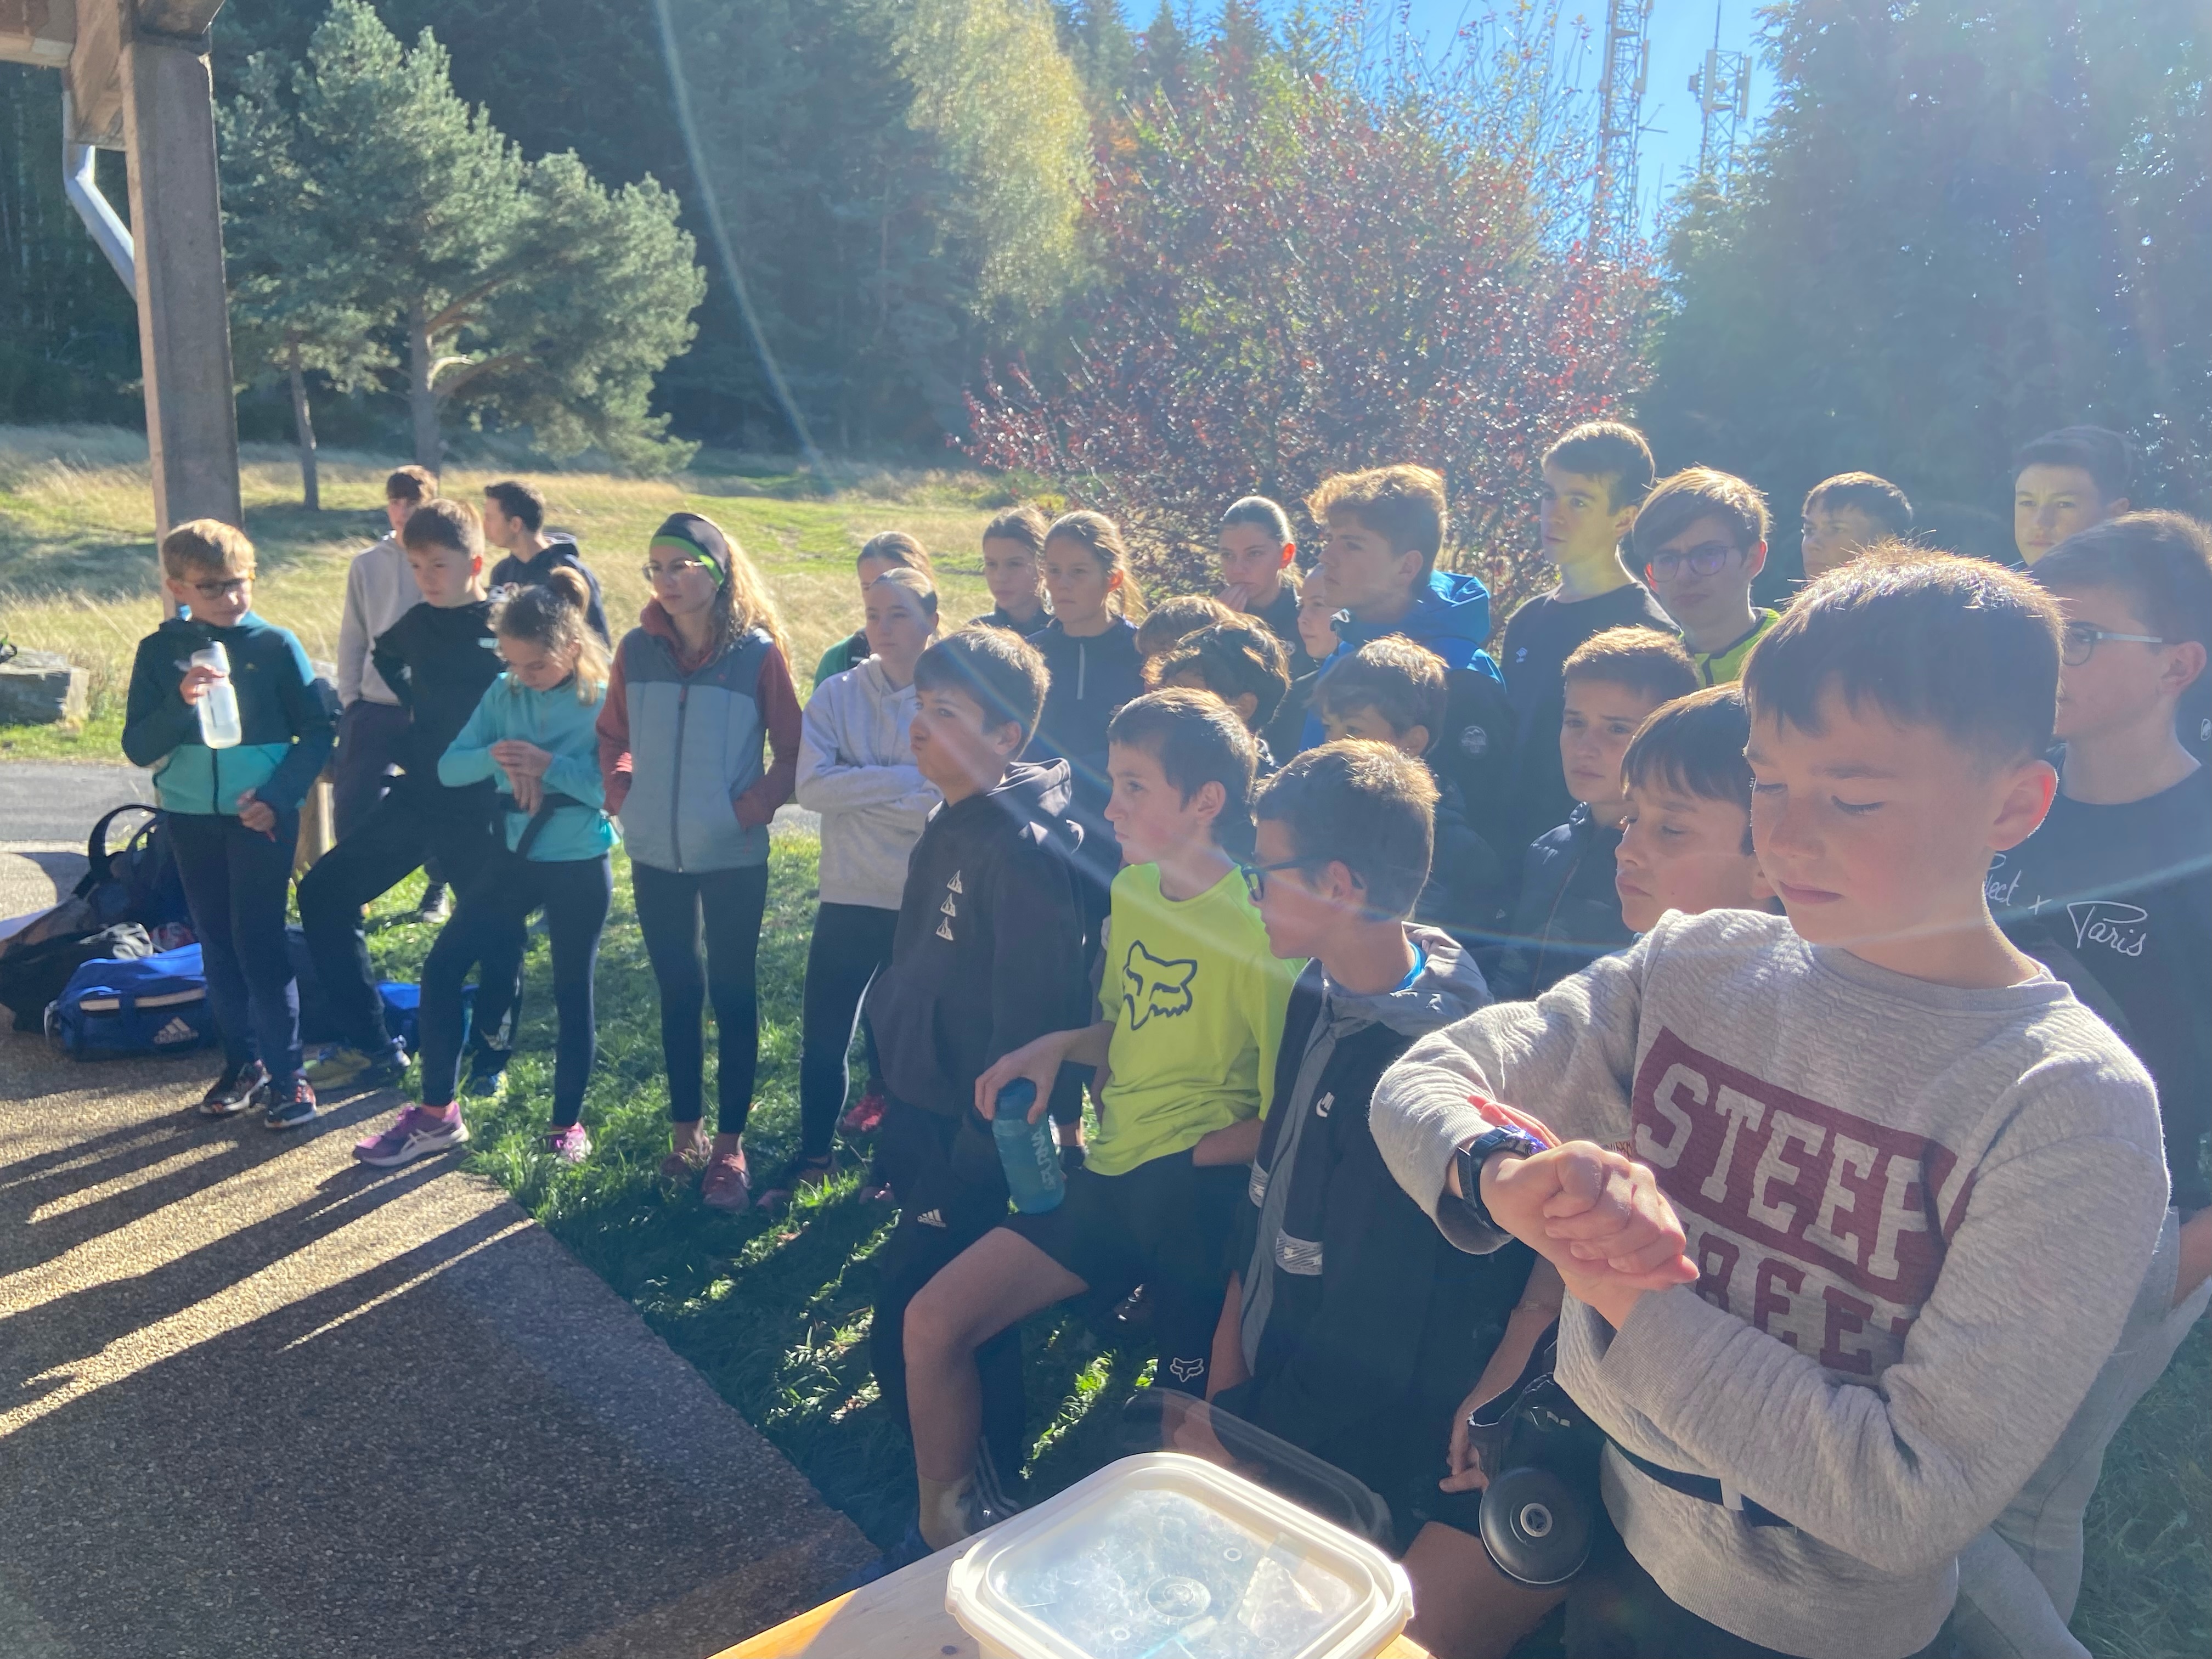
x,y
856,769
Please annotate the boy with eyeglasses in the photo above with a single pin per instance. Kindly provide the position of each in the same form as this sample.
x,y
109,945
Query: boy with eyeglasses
x,y
234,813
1701,540
2114,894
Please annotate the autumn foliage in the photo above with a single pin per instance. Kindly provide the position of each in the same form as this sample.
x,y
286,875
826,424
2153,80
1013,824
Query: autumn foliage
x,y
1299,277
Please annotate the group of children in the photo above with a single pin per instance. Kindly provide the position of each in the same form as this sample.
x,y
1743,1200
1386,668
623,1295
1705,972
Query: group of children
x,y
1795,1016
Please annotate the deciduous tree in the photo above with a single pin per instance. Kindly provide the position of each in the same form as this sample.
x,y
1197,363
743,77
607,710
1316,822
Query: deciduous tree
x,y
1302,276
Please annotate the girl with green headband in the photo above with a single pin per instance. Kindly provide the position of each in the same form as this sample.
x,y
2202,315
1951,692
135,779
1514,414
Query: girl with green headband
x,y
699,741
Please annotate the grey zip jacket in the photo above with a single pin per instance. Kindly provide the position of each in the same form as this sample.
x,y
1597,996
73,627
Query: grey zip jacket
x,y
1921,1213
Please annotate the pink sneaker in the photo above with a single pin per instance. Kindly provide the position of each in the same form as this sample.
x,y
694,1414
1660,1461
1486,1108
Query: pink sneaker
x,y
416,1133
571,1144
729,1184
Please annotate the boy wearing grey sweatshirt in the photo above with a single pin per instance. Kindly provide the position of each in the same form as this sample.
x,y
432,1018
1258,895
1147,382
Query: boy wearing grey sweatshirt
x,y
1884,1191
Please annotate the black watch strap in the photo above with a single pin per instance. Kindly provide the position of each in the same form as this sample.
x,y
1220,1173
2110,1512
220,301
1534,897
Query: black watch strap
x,y
1478,1152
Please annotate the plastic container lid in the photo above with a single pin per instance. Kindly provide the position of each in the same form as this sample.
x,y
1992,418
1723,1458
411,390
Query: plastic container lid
x,y
1164,1556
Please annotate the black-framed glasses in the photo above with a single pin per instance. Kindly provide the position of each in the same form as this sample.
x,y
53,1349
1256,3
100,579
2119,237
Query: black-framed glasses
x,y
2078,642
1255,875
670,571
222,590
1707,559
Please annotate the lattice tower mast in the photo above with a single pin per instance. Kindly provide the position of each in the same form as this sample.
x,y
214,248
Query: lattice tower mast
x,y
1627,63
1722,89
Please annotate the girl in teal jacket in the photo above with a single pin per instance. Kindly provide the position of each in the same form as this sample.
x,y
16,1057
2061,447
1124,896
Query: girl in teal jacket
x,y
534,734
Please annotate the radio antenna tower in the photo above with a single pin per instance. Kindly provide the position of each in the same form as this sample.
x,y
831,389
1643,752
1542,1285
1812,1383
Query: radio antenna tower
x,y
1619,124
1722,89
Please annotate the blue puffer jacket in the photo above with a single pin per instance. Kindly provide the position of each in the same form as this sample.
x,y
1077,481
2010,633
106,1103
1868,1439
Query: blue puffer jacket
x,y
289,717
1450,616
561,723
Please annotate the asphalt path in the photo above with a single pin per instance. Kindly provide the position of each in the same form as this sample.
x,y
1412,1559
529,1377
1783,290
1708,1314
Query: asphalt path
x,y
258,1401
45,803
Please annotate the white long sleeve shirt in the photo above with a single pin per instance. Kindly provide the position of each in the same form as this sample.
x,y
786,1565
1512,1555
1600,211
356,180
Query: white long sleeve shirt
x,y
380,590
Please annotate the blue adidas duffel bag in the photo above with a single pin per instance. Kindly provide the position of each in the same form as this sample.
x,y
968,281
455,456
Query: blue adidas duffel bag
x,y
115,1009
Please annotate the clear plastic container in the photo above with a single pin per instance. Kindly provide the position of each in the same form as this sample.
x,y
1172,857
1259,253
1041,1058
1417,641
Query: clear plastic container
x,y
218,703
1164,1556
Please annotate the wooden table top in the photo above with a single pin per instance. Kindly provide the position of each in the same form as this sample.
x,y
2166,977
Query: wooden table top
x,y
901,1616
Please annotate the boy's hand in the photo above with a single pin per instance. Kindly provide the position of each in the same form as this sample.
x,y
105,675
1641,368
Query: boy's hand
x,y
256,815
1590,1212
1037,1060
196,681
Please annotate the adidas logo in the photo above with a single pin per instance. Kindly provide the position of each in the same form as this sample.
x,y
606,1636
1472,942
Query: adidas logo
x,y
929,1218
177,1030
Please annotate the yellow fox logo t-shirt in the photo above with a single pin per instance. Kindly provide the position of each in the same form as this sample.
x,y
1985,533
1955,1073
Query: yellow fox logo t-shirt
x,y
1197,1001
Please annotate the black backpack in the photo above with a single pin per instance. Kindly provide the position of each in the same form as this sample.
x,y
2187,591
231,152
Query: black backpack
x,y
140,883
34,975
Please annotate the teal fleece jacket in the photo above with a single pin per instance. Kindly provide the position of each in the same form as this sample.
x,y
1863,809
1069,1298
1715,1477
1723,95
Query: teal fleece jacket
x,y
563,725
288,718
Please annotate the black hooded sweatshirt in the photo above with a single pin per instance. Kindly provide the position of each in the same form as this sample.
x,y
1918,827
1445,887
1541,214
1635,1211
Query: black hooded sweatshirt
x,y
439,663
987,954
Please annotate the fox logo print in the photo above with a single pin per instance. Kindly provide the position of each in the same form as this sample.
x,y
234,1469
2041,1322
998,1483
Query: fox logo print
x,y
1150,986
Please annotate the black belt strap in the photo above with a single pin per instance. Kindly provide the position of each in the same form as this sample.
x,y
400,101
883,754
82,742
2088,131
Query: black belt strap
x,y
547,804
1703,1487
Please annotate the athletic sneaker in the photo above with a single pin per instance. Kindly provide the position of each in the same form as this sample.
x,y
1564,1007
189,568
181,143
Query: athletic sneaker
x,y
571,1146
233,1091
289,1108
416,1133
866,1116
338,1067
437,903
485,1078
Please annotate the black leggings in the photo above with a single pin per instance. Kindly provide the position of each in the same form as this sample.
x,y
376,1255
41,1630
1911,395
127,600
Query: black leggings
x,y
575,894
851,942
406,827
671,908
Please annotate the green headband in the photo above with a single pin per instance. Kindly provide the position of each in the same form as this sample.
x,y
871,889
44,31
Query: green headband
x,y
665,540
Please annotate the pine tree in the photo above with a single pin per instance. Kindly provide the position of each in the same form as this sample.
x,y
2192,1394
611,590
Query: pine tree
x,y
1162,56
295,289
1105,53
525,290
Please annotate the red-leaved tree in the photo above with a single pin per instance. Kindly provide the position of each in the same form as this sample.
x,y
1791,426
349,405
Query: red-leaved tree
x,y
1302,276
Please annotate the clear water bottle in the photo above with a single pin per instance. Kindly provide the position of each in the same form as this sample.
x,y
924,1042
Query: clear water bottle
x,y
1026,1150
218,703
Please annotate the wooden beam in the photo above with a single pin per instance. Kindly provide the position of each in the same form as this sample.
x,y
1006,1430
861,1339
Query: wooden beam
x,y
37,32
95,73
184,316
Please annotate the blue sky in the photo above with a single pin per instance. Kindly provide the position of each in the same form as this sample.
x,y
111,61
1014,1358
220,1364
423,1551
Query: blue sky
x,y
1681,32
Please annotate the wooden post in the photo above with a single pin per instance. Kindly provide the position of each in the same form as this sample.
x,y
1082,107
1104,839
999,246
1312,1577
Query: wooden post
x,y
176,220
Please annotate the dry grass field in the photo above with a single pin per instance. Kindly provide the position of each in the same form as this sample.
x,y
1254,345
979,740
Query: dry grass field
x,y
77,571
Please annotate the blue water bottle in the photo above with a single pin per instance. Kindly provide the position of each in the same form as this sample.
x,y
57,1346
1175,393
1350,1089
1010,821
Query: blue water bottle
x,y
1026,1150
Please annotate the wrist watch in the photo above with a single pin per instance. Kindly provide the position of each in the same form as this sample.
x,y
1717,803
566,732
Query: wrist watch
x,y
1471,1157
